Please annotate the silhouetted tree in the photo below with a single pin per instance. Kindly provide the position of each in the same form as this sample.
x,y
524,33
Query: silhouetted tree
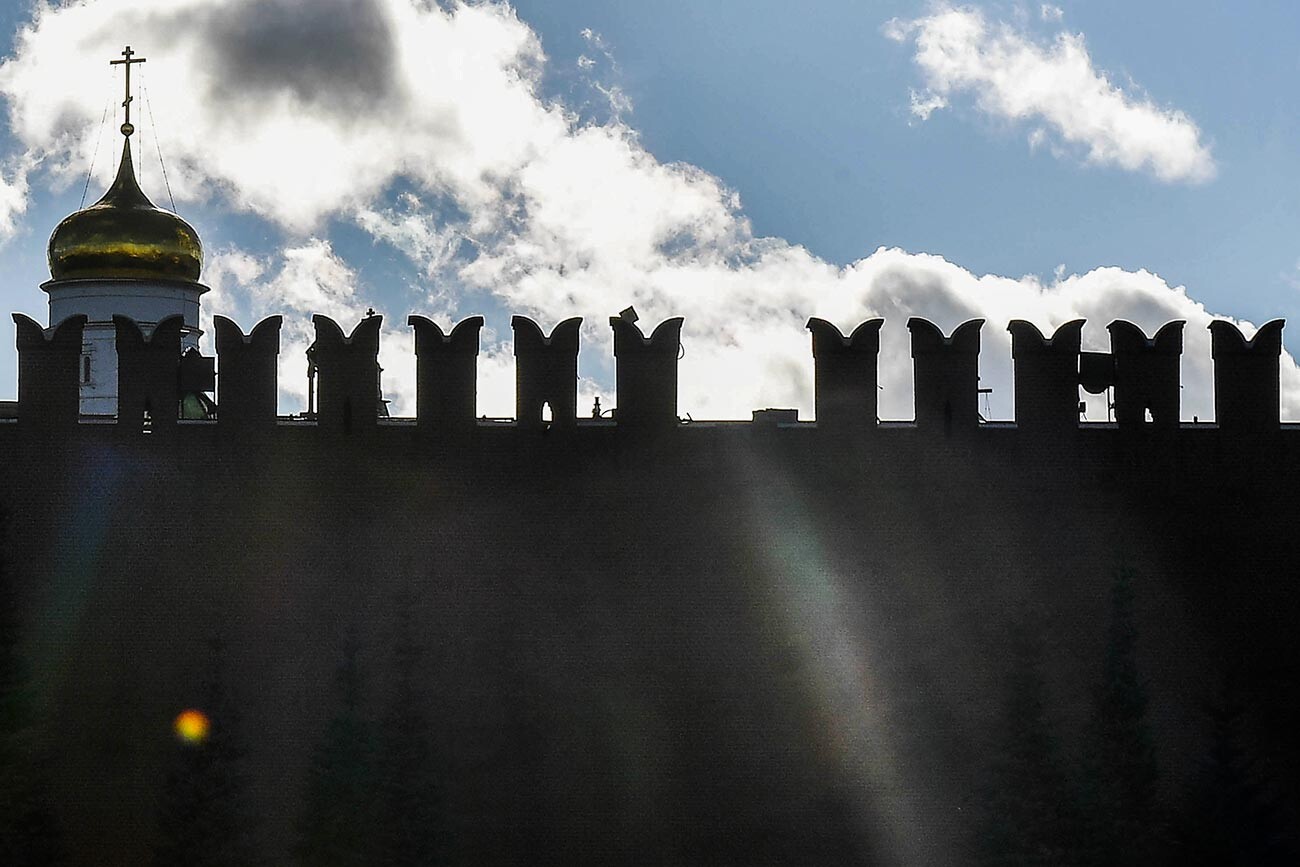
x,y
1236,816
1121,773
340,810
29,831
204,817
1030,810
410,827
511,779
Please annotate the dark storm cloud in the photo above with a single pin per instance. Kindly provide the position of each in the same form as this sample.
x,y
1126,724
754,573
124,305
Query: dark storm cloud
x,y
330,53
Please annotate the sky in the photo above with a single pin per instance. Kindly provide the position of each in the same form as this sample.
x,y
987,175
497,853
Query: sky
x,y
745,164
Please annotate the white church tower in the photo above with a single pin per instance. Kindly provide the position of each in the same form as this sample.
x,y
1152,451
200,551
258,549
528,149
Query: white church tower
x,y
122,255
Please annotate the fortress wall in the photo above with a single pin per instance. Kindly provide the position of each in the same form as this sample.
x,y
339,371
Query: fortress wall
x,y
730,609
636,638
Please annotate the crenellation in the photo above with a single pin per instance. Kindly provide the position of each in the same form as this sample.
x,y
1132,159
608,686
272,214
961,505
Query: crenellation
x,y
1147,386
247,381
1046,371
546,372
49,372
347,374
446,394
147,374
1247,383
846,375
646,372
1142,372
946,389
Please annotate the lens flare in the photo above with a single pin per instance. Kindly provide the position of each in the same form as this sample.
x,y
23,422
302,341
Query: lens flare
x,y
192,726
847,682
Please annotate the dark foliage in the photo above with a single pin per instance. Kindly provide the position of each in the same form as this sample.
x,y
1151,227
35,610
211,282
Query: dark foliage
x,y
409,829
29,830
340,808
1122,824
1030,810
1237,815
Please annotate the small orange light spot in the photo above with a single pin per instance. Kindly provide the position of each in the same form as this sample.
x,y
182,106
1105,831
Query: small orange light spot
x,y
192,726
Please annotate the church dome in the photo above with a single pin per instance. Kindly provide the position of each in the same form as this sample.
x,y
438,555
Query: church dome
x,y
124,235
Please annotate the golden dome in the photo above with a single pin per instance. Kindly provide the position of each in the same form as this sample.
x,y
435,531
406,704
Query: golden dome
x,y
124,235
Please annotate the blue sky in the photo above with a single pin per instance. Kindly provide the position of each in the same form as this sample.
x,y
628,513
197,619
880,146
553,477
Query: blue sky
x,y
738,163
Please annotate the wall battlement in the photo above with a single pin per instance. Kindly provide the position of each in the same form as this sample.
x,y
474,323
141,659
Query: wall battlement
x,y
1141,373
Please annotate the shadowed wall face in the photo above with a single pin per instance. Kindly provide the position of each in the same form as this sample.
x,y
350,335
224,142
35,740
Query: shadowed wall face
x,y
735,646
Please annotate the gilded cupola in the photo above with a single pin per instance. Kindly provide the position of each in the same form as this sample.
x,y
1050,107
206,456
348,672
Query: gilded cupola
x,y
124,235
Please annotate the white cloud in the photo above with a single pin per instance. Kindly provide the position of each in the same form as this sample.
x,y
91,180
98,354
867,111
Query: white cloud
x,y
1292,277
227,273
514,200
306,280
410,228
351,95
619,103
1013,77
14,189
925,103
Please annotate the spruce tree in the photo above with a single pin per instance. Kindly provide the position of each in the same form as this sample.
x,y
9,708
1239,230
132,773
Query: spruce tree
x,y
1123,825
1030,811
410,827
204,819
340,811
29,830
1236,816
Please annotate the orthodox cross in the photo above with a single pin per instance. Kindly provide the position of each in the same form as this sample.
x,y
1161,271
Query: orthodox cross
x,y
127,54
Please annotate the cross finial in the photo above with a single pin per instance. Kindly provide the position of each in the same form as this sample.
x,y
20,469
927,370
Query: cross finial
x,y
127,55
